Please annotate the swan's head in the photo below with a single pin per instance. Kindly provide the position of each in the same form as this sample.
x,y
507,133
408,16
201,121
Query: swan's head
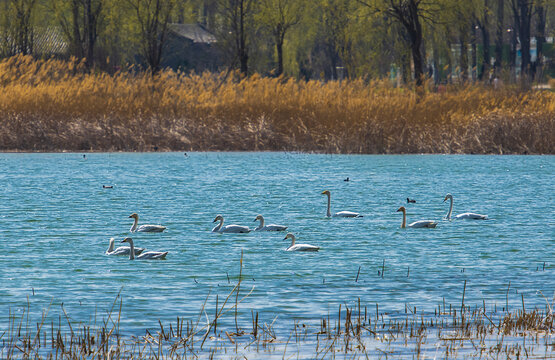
x,y
259,217
218,218
289,236
448,196
127,240
326,192
134,216
402,208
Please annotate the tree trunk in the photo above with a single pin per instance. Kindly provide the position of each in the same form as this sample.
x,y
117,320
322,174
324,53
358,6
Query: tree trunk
x,y
524,37
473,53
279,49
415,34
540,40
484,28
499,31
243,53
463,55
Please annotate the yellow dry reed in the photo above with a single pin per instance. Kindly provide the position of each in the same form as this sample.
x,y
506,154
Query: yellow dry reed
x,y
51,105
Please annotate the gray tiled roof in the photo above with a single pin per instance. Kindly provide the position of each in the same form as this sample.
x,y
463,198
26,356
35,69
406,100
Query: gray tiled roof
x,y
194,32
49,40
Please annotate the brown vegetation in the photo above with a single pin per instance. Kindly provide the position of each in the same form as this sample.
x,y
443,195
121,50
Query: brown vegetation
x,y
52,105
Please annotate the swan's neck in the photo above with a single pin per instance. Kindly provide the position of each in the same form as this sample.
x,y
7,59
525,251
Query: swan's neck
x,y
328,213
219,226
261,225
292,242
404,224
131,250
134,227
448,216
111,247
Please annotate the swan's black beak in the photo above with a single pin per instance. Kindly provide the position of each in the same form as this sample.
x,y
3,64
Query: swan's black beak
x,y
254,220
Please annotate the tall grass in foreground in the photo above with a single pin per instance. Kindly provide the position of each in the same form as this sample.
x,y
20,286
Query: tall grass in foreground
x,y
50,105
354,332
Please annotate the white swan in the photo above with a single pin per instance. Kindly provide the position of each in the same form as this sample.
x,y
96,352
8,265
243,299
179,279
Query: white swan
x,y
229,228
144,228
149,255
468,215
271,227
341,213
122,250
416,224
299,247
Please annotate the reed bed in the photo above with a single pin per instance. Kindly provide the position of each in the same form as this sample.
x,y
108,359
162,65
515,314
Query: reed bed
x,y
355,331
53,105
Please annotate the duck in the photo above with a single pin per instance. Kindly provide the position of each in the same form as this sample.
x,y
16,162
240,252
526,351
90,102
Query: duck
x,y
463,216
299,247
416,224
149,255
411,201
271,227
122,250
348,214
229,228
144,228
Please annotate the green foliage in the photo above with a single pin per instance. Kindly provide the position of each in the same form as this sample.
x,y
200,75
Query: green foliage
x,y
312,39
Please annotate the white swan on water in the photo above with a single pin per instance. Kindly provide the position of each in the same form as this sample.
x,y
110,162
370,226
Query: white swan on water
x,y
144,228
299,247
149,255
271,227
122,250
467,215
416,224
229,228
341,213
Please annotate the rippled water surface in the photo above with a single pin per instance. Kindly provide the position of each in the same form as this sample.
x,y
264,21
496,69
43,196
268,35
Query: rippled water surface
x,y
56,220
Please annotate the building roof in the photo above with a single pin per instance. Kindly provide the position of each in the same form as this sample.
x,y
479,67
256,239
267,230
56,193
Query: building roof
x,y
195,32
49,40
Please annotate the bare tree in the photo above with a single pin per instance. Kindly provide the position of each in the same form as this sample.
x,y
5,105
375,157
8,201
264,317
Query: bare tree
x,y
153,17
499,31
522,13
79,20
280,16
23,31
237,29
408,13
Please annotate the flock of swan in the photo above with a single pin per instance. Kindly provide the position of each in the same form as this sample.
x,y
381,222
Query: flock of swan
x,y
140,254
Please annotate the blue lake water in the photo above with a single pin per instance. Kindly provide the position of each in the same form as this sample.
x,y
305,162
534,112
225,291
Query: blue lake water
x,y
56,221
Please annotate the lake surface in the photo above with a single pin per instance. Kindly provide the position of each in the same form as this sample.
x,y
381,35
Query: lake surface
x,y
56,221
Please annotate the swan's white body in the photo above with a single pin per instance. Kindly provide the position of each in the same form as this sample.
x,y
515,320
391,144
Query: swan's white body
x,y
299,247
122,250
338,214
463,216
144,228
271,227
229,228
416,224
149,255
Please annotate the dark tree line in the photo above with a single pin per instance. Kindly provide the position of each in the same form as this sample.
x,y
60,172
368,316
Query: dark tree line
x,y
449,40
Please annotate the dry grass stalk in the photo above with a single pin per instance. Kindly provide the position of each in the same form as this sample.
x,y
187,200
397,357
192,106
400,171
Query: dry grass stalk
x,y
48,105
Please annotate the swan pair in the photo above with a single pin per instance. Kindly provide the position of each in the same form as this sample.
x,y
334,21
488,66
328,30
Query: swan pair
x,y
348,214
144,228
433,224
122,250
133,252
